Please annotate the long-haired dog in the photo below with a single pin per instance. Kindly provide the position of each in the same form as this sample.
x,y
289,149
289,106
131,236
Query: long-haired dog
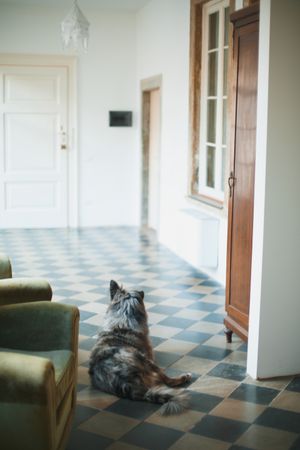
x,y
121,362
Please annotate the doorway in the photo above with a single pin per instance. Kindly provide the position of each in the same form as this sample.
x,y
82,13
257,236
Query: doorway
x,y
151,137
37,110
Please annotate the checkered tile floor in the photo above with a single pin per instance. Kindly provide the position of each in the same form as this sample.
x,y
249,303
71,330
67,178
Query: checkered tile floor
x,y
228,409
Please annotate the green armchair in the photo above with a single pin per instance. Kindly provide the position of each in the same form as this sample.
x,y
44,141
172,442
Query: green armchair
x,y
38,372
18,290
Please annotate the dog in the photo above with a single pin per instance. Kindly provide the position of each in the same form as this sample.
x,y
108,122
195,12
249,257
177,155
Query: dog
x,y
122,363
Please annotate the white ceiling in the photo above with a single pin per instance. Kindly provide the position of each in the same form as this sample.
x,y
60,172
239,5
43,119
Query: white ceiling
x,y
124,5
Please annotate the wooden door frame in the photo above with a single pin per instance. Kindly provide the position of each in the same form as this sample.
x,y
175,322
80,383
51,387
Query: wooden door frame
x,y
70,63
147,85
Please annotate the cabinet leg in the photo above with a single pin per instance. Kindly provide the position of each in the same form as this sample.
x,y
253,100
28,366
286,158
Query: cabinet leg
x,y
228,334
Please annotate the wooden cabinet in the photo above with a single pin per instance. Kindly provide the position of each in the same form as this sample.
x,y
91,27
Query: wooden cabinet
x,y
242,167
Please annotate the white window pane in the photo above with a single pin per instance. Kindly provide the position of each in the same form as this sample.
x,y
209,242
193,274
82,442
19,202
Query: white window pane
x,y
226,25
223,168
213,30
224,131
225,71
211,120
210,167
212,73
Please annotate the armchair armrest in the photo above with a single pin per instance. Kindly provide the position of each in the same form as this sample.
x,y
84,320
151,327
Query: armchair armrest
x,y
27,402
26,379
39,326
5,267
18,290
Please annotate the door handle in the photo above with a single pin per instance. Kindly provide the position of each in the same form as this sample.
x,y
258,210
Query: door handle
x,y
231,183
63,139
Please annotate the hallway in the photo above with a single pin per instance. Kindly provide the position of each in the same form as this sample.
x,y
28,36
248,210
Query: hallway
x,y
228,410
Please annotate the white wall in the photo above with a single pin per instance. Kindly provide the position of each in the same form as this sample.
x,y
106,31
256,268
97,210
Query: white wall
x,y
274,334
163,48
108,157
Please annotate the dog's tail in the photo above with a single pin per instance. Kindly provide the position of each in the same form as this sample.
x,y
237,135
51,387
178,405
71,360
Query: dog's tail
x,y
174,400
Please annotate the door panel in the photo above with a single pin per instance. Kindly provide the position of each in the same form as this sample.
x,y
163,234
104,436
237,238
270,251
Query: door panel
x,y
33,167
32,132
20,196
239,254
242,215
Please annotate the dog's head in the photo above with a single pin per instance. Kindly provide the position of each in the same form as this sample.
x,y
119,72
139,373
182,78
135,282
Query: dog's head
x,y
126,309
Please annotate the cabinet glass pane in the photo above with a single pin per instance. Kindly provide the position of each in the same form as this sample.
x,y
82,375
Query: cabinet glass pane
x,y
213,30
212,73
226,25
225,71
211,120
224,131
210,167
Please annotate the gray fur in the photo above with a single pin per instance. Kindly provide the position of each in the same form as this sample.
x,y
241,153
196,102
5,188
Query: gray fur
x,y
121,362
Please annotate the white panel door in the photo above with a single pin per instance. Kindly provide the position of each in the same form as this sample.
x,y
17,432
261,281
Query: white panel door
x,y
33,130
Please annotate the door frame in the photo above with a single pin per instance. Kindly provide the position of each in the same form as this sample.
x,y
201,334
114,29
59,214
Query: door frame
x,y
70,63
147,85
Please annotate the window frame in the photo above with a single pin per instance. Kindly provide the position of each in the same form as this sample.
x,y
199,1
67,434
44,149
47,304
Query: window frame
x,y
197,86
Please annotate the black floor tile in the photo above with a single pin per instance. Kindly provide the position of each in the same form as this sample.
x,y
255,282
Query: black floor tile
x,y
193,336
219,292
83,413
155,341
80,440
296,445
65,292
153,298
220,428
177,322
80,387
190,296
208,352
165,359
229,371
243,347
87,344
239,447
136,409
203,306
87,329
179,286
254,394
152,437
203,402
72,302
214,317
84,315
280,419
211,283
164,309
294,385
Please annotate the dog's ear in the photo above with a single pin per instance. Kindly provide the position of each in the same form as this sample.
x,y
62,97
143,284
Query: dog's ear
x,y
142,294
114,287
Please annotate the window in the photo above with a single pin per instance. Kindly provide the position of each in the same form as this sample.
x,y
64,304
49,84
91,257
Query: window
x,y
209,147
